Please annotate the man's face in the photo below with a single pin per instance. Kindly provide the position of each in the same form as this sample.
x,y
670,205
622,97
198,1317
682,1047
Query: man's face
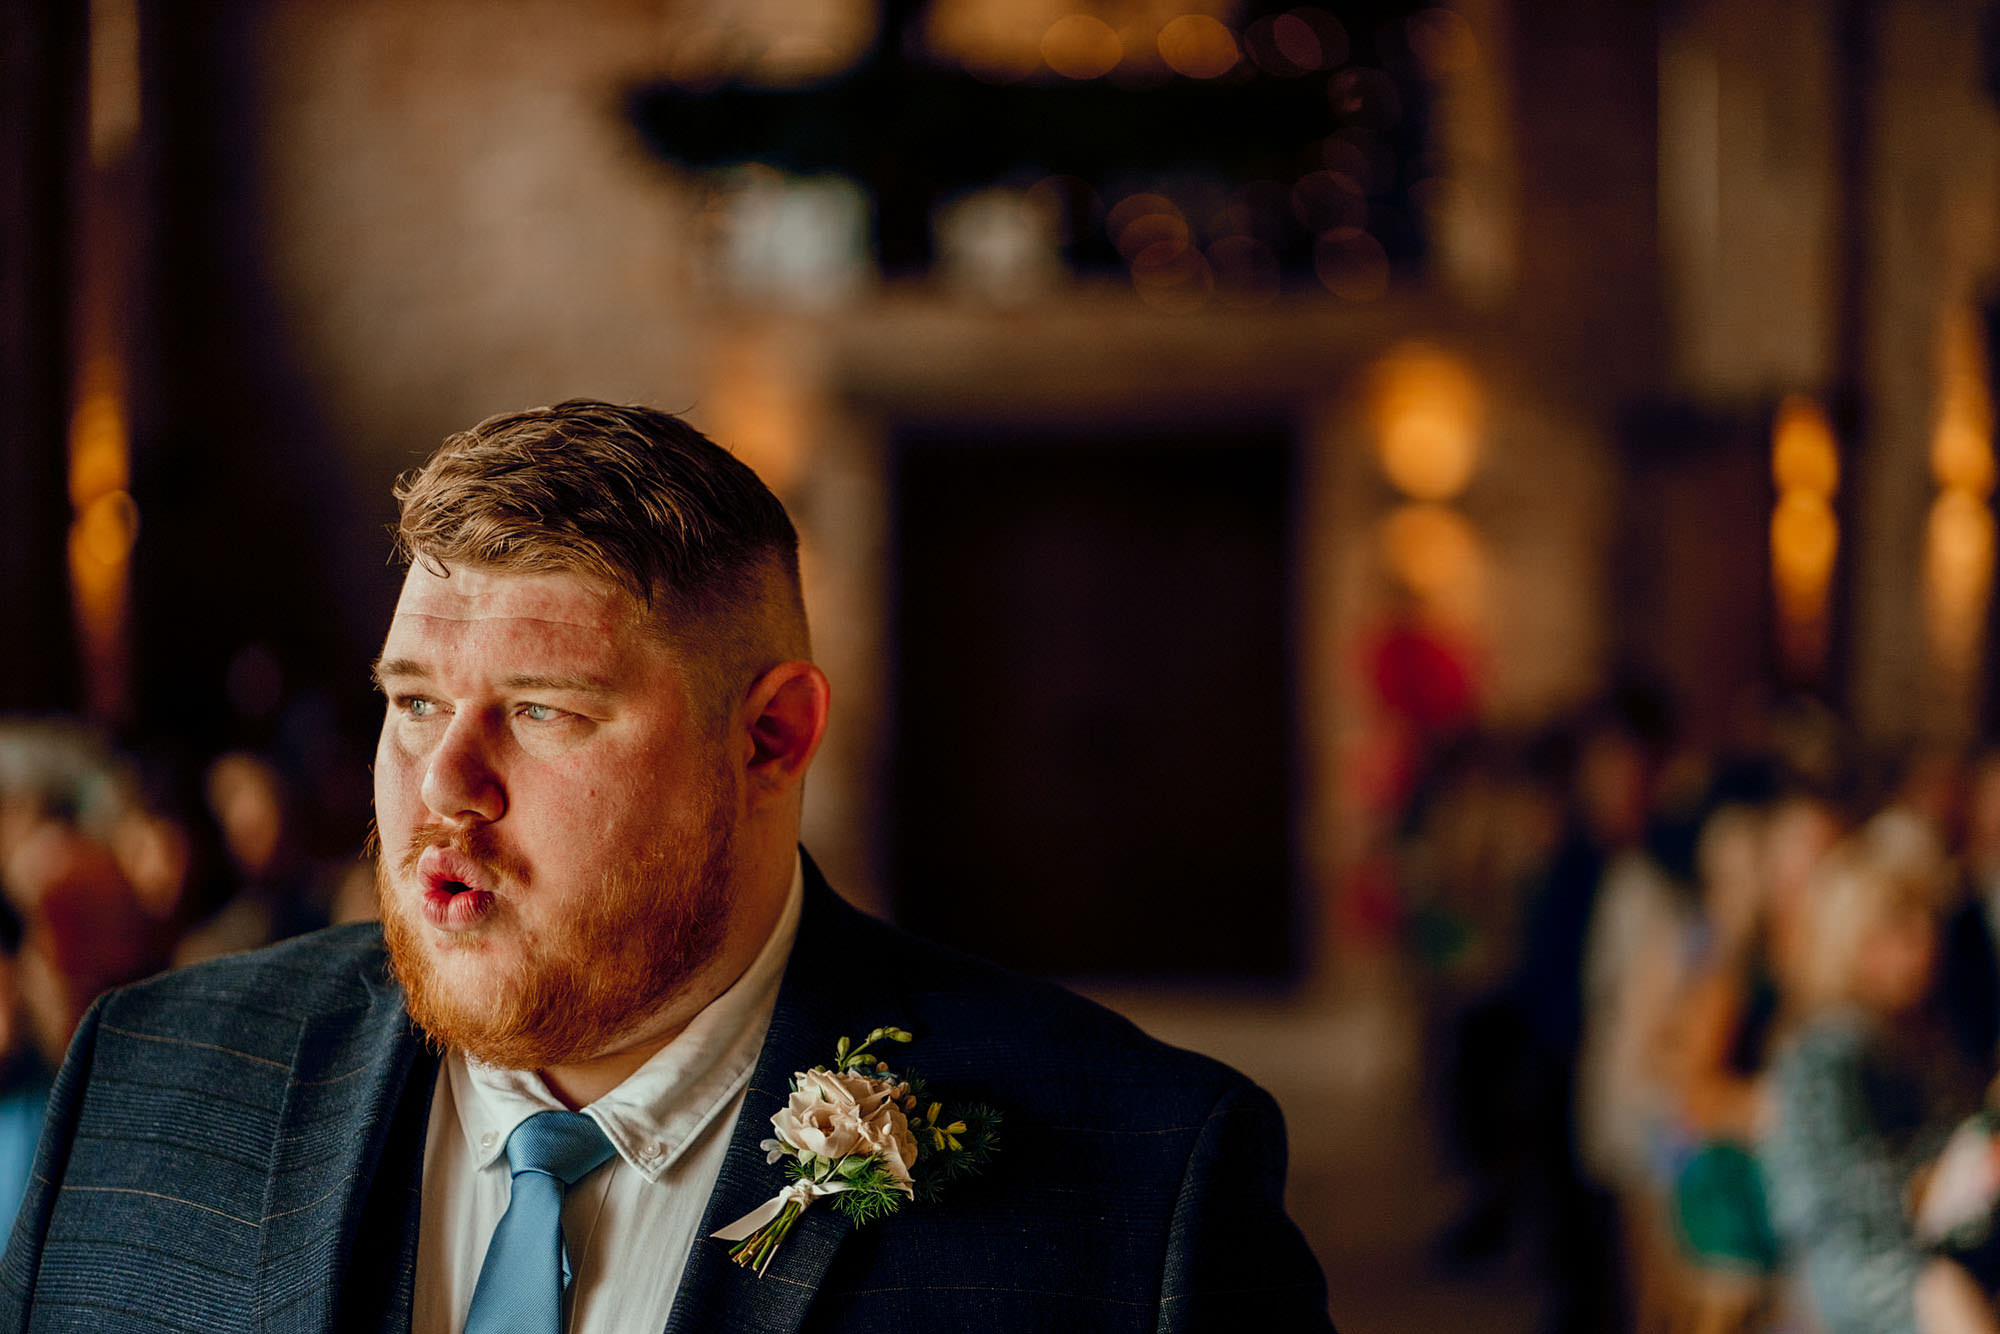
x,y
555,823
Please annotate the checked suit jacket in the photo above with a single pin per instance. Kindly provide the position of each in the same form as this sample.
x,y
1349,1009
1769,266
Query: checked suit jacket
x,y
238,1146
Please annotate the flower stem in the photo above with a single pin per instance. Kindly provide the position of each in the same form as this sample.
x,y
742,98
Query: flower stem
x,y
755,1251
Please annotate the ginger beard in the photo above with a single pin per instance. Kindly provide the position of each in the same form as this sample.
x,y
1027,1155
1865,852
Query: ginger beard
x,y
590,980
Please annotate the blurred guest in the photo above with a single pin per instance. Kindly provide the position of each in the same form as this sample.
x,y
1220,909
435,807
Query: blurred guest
x,y
73,835
1616,763
1732,1017
85,929
1799,832
55,768
1633,969
1931,785
1871,1088
282,891
1646,937
89,877
1611,792
1470,858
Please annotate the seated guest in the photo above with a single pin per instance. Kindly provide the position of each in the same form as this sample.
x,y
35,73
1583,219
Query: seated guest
x,y
1870,1090
617,1058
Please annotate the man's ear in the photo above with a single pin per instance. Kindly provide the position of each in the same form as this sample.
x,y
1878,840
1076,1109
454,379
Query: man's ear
x,y
787,711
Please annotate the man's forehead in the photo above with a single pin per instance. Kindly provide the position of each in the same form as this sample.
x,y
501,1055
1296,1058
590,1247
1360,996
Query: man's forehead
x,y
475,593
519,626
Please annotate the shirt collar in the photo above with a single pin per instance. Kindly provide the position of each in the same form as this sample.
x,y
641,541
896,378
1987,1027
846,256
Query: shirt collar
x,y
665,1104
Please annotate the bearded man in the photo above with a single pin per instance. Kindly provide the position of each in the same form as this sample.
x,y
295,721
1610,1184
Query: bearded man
x,y
531,1098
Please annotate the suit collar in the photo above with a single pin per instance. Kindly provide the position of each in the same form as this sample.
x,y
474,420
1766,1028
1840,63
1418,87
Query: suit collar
x,y
360,1071
821,1000
350,1072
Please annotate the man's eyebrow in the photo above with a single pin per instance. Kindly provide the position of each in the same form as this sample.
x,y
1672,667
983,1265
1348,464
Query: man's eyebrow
x,y
575,684
402,667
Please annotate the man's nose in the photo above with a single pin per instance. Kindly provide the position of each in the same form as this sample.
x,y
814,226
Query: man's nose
x,y
460,783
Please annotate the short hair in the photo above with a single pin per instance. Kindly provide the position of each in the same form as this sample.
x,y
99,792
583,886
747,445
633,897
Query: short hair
x,y
1892,865
634,497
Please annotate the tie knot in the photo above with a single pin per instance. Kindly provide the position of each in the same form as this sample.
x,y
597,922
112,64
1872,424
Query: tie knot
x,y
564,1145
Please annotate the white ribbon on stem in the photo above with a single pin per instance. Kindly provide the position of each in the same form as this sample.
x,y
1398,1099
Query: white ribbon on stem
x,y
802,1193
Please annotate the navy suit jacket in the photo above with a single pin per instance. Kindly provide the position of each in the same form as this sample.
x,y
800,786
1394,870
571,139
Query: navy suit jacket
x,y
239,1146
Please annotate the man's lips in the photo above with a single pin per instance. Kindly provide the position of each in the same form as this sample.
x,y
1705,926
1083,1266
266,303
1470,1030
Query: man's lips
x,y
457,891
447,870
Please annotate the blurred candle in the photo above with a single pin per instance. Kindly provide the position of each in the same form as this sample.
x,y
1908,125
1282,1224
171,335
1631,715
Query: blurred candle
x,y
1805,535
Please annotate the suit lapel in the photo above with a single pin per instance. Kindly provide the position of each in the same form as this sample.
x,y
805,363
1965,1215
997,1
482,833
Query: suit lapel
x,y
350,1070
820,1001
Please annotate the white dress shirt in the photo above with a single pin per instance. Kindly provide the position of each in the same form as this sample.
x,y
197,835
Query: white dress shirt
x,y
631,1223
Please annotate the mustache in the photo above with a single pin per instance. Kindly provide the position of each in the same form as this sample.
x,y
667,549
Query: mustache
x,y
476,843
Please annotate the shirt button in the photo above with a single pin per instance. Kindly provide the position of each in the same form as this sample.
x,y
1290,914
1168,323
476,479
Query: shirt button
x,y
487,1140
653,1151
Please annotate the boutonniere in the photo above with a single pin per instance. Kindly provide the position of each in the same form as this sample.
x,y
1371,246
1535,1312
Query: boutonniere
x,y
857,1134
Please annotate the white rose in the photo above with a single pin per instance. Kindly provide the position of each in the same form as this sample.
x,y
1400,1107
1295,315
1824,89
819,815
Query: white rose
x,y
889,1139
834,1114
822,1117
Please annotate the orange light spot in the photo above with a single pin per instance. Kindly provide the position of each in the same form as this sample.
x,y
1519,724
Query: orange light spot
x,y
1081,46
1198,46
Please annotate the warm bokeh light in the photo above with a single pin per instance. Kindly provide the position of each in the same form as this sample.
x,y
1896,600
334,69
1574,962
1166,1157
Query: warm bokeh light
x,y
106,530
1435,553
1082,46
1442,41
1805,538
1805,534
1428,415
996,40
1299,42
1958,576
758,399
1151,229
1198,46
101,592
1962,444
1959,538
1000,246
114,79
99,453
105,526
1803,454
1352,264
1134,206
770,46
1172,277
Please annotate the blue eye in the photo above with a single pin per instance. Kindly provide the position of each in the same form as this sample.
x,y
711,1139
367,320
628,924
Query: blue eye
x,y
540,713
416,706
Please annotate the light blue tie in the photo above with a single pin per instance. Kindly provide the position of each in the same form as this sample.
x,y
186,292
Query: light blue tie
x,y
521,1285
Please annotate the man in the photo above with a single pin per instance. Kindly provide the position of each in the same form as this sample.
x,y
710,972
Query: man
x,y
600,712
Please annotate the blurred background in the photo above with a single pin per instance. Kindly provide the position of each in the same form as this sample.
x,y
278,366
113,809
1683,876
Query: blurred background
x,y
1300,505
